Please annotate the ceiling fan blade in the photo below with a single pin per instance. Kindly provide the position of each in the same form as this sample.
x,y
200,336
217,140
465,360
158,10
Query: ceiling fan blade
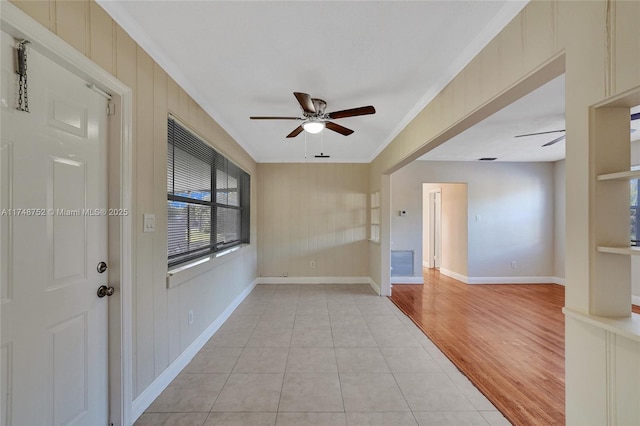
x,y
338,128
275,118
305,102
635,116
556,140
540,133
295,132
353,112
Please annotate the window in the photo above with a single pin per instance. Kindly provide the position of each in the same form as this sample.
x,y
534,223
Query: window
x,y
375,218
207,198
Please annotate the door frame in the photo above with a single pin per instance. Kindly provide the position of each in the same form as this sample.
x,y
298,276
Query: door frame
x,y
119,180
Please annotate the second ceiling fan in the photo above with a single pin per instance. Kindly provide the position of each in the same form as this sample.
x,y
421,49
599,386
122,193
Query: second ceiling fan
x,y
315,118
552,142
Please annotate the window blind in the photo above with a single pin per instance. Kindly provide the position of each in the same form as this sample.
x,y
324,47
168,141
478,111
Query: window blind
x,y
207,198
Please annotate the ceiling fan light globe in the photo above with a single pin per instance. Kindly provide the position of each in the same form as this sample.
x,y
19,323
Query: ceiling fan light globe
x,y
313,126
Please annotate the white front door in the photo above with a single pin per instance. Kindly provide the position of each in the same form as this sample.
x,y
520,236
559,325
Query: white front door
x,y
53,233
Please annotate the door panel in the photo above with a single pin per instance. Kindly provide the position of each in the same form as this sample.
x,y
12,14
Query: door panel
x,y
66,195
69,344
53,233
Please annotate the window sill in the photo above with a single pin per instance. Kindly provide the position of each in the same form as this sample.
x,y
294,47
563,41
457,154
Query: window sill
x,y
183,273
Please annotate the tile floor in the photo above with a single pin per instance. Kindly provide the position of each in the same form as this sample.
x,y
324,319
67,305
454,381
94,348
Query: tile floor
x,y
320,355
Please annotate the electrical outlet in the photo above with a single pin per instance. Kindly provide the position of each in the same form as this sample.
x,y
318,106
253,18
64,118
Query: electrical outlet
x,y
285,274
190,317
312,263
514,265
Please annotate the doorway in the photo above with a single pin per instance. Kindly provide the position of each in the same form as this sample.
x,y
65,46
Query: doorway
x,y
445,228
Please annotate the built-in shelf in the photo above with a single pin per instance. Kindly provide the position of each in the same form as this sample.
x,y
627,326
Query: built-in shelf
x,y
632,174
628,327
633,251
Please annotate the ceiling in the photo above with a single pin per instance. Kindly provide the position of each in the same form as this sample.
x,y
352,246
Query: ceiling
x,y
239,59
540,111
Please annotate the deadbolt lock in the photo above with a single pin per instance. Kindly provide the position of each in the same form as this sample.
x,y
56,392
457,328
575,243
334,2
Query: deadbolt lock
x,y
102,266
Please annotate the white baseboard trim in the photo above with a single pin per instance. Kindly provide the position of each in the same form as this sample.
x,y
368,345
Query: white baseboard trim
x,y
374,285
320,280
502,280
454,275
511,280
407,280
313,280
425,265
559,280
635,300
144,400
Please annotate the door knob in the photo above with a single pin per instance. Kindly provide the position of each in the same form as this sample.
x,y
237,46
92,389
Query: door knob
x,y
103,291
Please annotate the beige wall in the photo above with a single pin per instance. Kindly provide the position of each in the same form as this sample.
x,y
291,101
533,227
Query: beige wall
x,y
160,325
597,44
560,218
313,212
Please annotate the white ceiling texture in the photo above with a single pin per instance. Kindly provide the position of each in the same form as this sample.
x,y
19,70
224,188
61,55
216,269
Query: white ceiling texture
x,y
245,58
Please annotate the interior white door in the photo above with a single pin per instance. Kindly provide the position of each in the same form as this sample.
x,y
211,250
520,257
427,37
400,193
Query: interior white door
x,y
53,233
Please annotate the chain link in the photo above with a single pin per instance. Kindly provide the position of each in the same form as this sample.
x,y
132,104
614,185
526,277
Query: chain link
x,y
23,95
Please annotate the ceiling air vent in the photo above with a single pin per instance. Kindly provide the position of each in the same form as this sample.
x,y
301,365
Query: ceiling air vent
x,y
487,158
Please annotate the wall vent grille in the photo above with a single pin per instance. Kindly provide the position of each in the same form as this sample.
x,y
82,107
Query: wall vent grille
x,y
401,263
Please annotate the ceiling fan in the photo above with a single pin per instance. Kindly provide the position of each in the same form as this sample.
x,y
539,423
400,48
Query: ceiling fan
x,y
315,118
635,116
554,141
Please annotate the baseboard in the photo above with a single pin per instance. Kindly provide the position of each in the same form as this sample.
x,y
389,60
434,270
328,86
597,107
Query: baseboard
x,y
320,280
313,280
502,280
144,400
454,275
426,265
407,280
635,300
512,280
374,285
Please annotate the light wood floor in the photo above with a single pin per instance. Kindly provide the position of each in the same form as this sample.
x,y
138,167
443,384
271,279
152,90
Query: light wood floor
x,y
507,339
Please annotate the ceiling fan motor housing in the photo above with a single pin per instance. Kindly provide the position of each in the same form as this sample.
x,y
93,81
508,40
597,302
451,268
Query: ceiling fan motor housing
x,y
320,106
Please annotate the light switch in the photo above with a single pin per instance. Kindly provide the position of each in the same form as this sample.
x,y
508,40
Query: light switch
x,y
149,222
